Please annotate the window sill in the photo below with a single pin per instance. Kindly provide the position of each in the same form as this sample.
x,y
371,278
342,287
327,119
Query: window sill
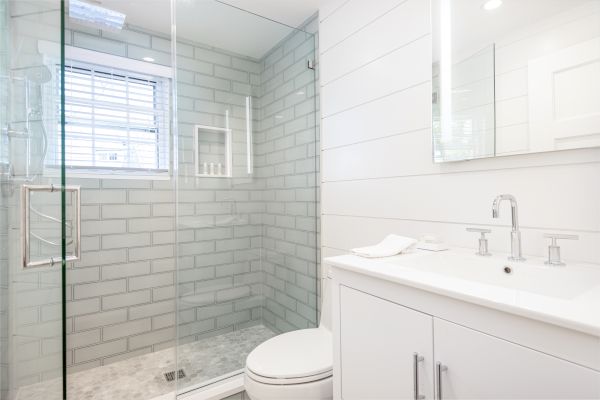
x,y
108,174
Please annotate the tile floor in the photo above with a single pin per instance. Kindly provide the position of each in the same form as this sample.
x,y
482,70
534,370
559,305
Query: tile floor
x,y
142,377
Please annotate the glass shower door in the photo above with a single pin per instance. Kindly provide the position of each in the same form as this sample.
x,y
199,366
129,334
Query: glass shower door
x,y
246,190
31,276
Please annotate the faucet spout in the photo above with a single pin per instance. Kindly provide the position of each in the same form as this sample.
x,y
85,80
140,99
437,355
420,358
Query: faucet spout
x,y
515,235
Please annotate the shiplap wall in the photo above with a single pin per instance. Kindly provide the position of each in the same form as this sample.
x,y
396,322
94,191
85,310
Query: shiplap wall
x,y
377,173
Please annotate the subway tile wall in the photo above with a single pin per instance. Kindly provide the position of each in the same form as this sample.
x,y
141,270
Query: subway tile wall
x,y
288,159
3,204
123,291
122,294
33,296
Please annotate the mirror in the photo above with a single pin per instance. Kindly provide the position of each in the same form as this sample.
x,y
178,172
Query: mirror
x,y
514,77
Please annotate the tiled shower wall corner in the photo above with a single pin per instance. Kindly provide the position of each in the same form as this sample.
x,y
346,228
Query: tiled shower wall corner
x,y
220,282
288,160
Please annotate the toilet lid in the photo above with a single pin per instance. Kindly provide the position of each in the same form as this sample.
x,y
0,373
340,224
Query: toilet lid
x,y
299,354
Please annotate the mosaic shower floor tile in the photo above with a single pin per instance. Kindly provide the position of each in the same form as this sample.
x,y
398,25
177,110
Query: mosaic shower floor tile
x,y
143,377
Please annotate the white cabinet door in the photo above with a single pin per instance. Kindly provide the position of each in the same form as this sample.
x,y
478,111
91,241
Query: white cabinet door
x,y
378,340
481,367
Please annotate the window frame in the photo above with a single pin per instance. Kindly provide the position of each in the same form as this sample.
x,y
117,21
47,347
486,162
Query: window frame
x,y
84,58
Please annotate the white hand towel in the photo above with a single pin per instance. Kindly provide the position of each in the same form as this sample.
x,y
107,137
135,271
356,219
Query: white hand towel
x,y
390,246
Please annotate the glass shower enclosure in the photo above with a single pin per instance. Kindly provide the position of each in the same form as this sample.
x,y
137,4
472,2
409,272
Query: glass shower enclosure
x,y
247,186
170,224
31,275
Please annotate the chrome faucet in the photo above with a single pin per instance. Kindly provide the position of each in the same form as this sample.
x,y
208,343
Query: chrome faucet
x,y
515,234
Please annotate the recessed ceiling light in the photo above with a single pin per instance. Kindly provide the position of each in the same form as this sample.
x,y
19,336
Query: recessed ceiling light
x,y
279,117
492,4
300,93
148,59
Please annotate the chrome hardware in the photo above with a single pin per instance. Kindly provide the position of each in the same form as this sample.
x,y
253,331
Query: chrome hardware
x,y
515,235
483,242
554,248
26,234
439,368
416,360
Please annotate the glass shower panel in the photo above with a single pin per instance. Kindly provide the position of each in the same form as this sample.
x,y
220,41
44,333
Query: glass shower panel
x,y
247,196
31,324
118,139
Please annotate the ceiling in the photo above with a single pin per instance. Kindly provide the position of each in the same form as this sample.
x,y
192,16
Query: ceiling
x,y
221,25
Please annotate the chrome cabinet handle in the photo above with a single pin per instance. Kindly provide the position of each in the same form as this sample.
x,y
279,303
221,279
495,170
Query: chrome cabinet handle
x,y
416,360
439,368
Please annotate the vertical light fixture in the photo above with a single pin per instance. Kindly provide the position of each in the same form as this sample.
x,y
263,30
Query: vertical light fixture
x,y
446,70
249,155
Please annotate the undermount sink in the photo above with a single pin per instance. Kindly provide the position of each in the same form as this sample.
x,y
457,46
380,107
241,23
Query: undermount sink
x,y
534,277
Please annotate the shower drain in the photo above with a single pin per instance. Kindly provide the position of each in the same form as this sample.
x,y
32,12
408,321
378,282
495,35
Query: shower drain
x,y
170,376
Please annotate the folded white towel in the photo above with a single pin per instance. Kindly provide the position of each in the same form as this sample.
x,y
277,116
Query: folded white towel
x,y
390,246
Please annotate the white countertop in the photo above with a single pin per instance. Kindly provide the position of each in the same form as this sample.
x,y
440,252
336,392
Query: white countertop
x,y
565,296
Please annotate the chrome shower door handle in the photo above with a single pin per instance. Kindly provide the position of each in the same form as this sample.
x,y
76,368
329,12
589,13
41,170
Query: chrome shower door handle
x,y
439,369
416,360
26,234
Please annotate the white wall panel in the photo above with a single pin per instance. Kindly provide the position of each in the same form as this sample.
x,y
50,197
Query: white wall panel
x,y
349,18
405,67
377,172
380,118
408,21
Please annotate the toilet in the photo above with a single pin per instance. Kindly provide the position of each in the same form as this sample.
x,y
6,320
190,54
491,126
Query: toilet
x,y
294,365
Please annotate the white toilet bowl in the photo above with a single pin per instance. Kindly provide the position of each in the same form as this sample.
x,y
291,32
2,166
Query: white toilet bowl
x,y
295,365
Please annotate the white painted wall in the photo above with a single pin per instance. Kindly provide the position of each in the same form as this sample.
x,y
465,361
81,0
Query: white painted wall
x,y
377,173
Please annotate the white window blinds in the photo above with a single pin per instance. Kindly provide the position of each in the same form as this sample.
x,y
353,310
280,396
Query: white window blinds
x,y
115,120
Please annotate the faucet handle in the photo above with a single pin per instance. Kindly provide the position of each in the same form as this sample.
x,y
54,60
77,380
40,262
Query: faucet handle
x,y
554,249
483,242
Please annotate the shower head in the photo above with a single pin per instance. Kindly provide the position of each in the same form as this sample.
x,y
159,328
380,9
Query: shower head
x,y
92,14
39,74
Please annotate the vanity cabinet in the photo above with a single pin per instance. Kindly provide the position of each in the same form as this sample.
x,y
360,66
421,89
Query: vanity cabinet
x,y
383,345
480,366
376,341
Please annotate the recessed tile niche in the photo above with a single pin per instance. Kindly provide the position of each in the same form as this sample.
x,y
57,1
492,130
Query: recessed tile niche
x,y
212,151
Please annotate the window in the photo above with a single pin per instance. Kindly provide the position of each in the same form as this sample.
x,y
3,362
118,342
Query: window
x,y
115,120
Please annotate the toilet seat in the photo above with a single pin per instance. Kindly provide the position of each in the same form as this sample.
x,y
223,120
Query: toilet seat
x,y
292,358
288,381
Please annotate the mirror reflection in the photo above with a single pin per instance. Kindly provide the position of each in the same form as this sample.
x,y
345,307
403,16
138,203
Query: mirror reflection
x,y
514,77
